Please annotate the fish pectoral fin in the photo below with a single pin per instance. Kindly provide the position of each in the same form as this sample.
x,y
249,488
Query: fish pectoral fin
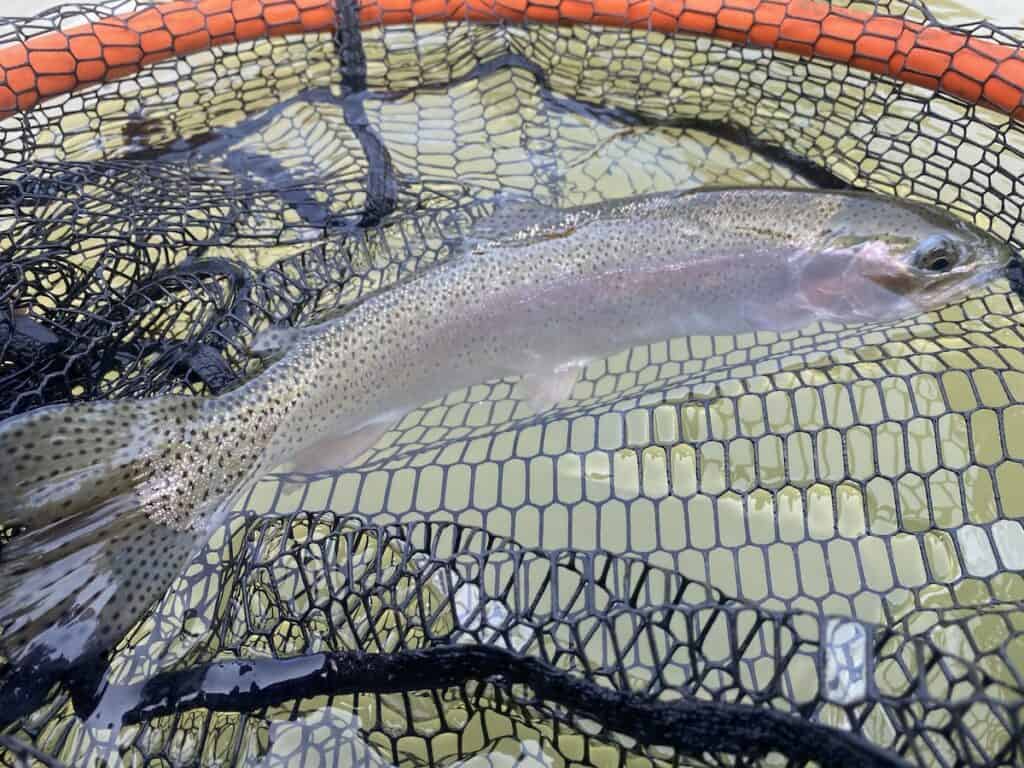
x,y
336,451
543,391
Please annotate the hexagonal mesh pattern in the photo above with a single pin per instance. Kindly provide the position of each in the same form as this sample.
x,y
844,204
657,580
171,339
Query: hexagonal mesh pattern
x,y
754,550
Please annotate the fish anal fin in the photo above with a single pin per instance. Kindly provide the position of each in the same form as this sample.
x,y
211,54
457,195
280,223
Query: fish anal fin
x,y
337,450
543,391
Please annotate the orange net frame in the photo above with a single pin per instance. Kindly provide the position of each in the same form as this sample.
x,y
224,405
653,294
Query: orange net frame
x,y
980,71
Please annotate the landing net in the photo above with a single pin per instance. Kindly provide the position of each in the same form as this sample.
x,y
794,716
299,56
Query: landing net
x,y
753,550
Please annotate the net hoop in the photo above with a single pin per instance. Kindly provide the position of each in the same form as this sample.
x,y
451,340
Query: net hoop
x,y
977,70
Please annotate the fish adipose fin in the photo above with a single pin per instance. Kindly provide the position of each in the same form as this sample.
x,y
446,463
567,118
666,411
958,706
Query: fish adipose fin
x,y
276,340
543,391
86,560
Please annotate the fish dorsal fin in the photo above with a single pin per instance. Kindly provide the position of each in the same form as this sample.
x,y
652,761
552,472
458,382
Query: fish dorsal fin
x,y
517,221
543,391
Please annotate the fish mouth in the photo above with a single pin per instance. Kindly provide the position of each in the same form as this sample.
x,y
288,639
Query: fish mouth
x,y
959,282
884,266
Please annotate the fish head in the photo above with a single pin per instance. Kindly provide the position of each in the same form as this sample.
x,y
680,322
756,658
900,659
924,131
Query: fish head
x,y
879,259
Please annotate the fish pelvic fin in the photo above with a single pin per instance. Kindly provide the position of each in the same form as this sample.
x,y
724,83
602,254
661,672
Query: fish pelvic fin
x,y
86,559
542,391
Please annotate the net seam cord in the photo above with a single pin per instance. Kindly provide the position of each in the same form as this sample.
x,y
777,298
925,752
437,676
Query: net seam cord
x,y
980,71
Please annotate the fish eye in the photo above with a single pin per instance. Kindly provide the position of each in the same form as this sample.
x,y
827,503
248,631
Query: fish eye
x,y
936,254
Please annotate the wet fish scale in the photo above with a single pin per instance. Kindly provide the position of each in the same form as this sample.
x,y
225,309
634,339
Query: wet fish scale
x,y
115,496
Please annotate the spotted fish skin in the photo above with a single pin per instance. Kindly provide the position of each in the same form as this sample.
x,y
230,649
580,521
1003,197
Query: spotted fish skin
x,y
582,285
115,497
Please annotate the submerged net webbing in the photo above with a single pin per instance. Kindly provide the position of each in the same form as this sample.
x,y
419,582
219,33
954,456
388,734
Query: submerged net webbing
x,y
759,550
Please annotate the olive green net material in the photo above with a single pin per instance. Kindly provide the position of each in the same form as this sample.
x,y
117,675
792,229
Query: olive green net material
x,y
717,542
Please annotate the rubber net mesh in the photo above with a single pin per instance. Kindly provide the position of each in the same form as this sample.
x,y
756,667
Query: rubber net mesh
x,y
722,551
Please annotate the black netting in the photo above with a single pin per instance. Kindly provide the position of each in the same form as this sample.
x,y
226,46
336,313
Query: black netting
x,y
755,550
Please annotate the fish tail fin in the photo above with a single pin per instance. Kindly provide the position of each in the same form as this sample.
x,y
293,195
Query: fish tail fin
x,y
86,559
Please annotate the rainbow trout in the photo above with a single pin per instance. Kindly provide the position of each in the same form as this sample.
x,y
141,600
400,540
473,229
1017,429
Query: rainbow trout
x,y
114,497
